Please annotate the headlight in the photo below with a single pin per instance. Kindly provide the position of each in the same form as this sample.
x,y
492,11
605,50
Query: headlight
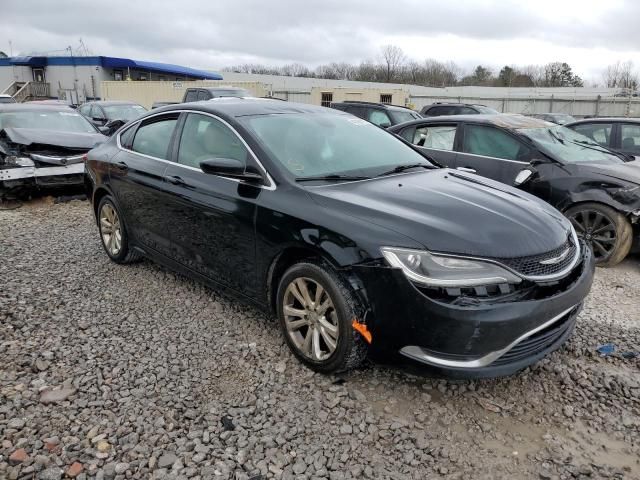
x,y
444,271
13,161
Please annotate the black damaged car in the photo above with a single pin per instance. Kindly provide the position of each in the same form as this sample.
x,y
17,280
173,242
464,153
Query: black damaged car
x,y
42,146
357,242
597,189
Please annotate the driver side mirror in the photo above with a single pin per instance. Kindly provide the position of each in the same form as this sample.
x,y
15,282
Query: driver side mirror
x,y
230,168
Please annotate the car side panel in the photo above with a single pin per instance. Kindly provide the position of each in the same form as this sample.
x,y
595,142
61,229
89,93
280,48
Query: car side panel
x,y
138,184
212,226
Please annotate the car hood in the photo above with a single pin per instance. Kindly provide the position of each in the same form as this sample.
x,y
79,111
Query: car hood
x,y
72,140
628,171
447,211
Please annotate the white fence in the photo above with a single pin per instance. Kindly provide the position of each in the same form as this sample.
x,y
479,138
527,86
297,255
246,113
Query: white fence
x,y
577,106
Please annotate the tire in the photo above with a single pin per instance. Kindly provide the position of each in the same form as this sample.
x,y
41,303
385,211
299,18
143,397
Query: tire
x,y
350,348
114,239
609,233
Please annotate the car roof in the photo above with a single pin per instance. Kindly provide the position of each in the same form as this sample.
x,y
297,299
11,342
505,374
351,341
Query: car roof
x,y
245,106
454,104
106,103
605,120
504,120
34,107
373,104
218,89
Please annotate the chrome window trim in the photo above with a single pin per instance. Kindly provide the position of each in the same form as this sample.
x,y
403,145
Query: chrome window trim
x,y
495,158
272,184
419,354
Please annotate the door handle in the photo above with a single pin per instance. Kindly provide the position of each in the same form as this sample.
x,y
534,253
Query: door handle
x,y
175,180
121,166
467,169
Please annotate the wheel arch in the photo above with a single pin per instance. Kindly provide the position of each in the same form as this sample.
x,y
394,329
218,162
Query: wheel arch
x,y
293,254
98,194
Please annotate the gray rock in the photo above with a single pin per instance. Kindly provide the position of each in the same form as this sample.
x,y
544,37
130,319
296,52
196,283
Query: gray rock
x,y
167,460
55,396
53,473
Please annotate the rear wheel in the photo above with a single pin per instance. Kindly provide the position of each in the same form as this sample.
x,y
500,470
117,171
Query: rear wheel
x,y
315,311
113,232
607,231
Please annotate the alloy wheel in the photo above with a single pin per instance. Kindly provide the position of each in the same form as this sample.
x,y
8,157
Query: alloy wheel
x,y
110,229
310,318
597,229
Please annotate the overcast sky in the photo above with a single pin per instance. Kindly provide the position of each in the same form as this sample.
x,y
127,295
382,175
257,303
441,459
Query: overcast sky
x,y
210,34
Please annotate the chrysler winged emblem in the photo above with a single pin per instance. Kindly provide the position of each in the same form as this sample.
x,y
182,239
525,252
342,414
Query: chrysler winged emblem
x,y
558,259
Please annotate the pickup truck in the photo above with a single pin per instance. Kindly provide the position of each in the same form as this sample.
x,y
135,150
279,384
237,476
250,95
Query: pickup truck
x,y
197,94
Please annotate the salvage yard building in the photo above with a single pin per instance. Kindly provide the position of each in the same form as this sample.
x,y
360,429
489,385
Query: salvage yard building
x,y
78,79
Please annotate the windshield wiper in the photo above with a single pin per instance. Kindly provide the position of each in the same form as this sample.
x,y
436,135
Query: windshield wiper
x,y
553,135
402,168
332,177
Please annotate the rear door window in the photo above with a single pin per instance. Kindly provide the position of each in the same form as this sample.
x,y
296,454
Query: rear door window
x,y
192,96
439,137
86,110
492,142
154,136
630,138
598,132
379,117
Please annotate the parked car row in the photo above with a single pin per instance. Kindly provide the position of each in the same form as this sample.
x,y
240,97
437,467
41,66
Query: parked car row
x,y
356,239
598,190
354,236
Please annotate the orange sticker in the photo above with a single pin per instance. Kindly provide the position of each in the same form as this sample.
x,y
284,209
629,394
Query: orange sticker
x,y
361,328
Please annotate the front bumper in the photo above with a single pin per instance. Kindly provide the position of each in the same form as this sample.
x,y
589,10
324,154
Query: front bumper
x,y
49,176
485,340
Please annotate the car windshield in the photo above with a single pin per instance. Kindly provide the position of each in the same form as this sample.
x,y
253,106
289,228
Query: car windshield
x,y
123,112
567,146
58,120
7,100
323,144
486,110
401,117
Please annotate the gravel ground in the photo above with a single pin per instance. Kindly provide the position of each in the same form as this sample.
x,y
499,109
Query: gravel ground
x,y
135,372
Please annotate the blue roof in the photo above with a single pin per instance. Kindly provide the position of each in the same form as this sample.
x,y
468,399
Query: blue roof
x,y
112,62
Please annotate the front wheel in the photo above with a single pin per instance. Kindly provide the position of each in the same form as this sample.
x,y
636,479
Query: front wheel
x,y
113,232
607,231
316,310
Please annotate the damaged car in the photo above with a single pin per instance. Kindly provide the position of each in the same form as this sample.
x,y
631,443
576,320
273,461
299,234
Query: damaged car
x,y
596,188
109,115
42,146
356,241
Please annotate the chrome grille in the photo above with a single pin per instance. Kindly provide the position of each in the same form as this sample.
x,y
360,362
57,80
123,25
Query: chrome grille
x,y
532,266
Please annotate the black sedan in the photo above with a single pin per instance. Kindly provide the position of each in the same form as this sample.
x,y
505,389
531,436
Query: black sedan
x,y
353,238
597,189
109,115
619,134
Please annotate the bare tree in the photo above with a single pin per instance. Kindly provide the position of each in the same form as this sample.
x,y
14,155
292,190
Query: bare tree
x,y
611,75
393,58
